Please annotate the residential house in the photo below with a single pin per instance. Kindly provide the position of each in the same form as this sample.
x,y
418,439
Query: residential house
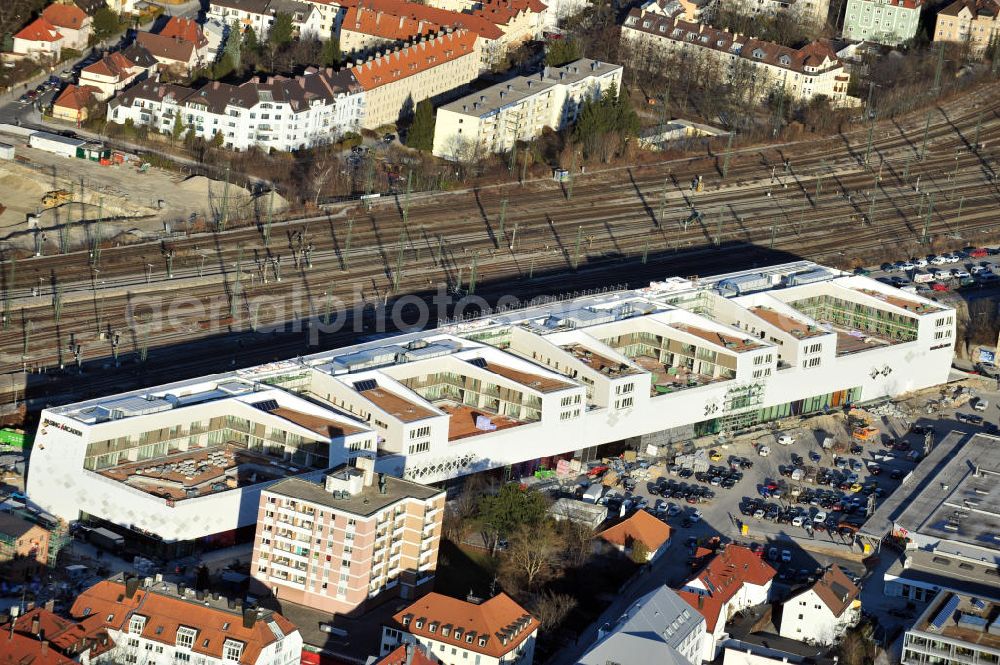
x,y
271,113
41,637
972,22
174,54
307,21
889,22
379,539
394,83
159,623
639,527
822,612
75,102
407,654
188,30
461,632
215,32
762,67
39,40
658,628
21,539
519,109
118,70
733,580
72,23
122,6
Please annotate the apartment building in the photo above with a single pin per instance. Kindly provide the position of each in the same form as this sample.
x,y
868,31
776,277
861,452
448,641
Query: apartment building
x,y
269,113
955,629
821,613
802,73
685,10
813,12
72,23
889,22
380,25
41,637
463,632
733,580
159,623
354,538
494,119
394,83
972,22
676,359
657,628
307,20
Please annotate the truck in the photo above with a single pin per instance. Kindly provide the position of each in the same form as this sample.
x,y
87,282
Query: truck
x,y
923,277
593,493
106,539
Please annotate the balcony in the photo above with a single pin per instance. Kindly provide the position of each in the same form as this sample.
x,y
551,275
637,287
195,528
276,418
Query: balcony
x,y
289,570
302,530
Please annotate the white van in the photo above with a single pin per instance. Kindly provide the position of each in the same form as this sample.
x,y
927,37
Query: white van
x,y
922,277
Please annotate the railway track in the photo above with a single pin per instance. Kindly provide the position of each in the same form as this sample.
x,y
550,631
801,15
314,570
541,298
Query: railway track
x,y
632,221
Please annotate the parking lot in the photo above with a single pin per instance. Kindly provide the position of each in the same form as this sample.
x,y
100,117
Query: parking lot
x,y
972,267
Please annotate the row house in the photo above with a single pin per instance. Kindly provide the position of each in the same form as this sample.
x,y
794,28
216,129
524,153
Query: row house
x,y
394,83
260,14
802,74
271,113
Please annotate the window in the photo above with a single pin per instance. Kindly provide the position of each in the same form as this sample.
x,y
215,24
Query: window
x,y
420,432
136,624
232,650
185,637
421,447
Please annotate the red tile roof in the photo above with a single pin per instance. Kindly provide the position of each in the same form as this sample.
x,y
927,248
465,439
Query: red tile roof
x,y
495,619
415,12
107,604
723,577
400,657
39,30
168,48
414,59
398,27
65,639
836,590
76,96
186,29
17,649
641,526
65,16
113,64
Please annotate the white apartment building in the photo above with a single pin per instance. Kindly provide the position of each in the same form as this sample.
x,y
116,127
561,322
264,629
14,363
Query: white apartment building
x,y
492,120
667,362
307,20
458,632
813,12
158,623
658,628
956,628
271,113
889,22
821,613
801,73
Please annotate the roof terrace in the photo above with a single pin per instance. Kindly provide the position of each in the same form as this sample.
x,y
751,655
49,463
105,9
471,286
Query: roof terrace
x,y
797,328
730,342
395,405
913,306
465,421
600,363
961,617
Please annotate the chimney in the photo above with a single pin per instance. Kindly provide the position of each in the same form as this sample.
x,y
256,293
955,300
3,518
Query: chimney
x,y
36,624
50,606
409,653
215,85
131,586
367,465
249,617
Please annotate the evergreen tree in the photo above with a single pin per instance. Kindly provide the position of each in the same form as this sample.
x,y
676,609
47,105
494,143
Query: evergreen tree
x,y
178,130
282,30
250,42
331,51
421,133
232,47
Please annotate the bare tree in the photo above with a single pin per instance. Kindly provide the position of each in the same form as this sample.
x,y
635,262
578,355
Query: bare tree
x,y
533,554
551,608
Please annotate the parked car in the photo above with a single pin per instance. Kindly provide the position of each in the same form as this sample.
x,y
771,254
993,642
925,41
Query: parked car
x,y
786,440
763,451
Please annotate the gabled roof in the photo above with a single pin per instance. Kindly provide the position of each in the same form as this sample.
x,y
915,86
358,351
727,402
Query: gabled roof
x,y
65,638
39,30
168,48
394,10
107,604
501,12
17,649
414,59
498,619
988,8
723,577
836,590
407,654
398,27
115,65
76,96
186,29
640,526
65,16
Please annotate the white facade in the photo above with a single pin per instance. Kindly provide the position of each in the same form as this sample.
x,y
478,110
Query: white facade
x,y
807,618
307,20
547,381
253,115
491,120
748,595
122,6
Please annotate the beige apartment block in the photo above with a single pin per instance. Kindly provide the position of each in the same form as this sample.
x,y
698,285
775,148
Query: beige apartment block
x,y
491,120
975,22
394,83
354,539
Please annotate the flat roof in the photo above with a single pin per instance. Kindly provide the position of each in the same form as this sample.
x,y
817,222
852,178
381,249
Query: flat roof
x,y
959,616
323,426
599,362
953,494
729,342
542,384
396,406
795,327
913,306
463,421
365,503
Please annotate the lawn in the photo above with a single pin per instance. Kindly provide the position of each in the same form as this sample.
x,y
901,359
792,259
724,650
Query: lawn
x,y
463,570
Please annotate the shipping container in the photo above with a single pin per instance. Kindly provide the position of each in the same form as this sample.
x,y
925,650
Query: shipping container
x,y
6,151
58,145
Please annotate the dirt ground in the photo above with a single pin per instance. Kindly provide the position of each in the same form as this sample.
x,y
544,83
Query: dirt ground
x,y
141,204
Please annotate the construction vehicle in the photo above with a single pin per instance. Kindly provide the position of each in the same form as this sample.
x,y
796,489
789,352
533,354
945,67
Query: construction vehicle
x,y
865,434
